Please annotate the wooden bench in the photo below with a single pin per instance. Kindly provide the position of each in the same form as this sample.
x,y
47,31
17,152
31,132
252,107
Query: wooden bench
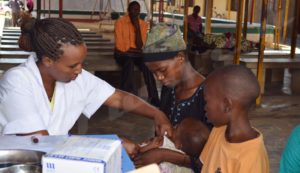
x,y
277,63
100,56
87,40
18,34
272,62
82,31
92,43
90,64
105,48
268,54
24,54
10,47
10,34
95,38
95,61
14,54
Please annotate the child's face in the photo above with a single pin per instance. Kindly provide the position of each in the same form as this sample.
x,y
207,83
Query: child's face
x,y
69,65
214,99
168,72
180,140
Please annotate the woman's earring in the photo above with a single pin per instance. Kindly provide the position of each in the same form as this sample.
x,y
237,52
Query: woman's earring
x,y
160,77
227,109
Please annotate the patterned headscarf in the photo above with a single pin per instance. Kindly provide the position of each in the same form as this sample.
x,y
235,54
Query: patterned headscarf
x,y
163,42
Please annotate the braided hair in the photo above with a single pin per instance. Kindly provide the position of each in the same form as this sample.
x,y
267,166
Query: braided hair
x,y
46,36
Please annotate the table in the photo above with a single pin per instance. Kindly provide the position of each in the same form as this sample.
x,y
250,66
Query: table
x,y
47,143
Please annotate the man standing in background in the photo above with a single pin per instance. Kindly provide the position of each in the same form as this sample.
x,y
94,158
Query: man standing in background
x,y
130,38
194,23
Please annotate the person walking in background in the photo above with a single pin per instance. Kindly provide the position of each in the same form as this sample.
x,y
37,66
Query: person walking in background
x,y
130,37
15,6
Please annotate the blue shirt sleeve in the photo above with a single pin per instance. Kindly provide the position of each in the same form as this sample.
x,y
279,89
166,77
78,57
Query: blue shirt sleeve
x,y
290,159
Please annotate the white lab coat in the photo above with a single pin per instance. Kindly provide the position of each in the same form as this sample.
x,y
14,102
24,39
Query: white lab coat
x,y
25,107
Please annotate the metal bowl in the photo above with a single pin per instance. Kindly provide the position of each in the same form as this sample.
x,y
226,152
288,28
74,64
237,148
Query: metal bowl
x,y
20,161
22,169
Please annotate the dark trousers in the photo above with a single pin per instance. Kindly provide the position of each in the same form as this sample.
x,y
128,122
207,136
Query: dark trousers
x,y
128,80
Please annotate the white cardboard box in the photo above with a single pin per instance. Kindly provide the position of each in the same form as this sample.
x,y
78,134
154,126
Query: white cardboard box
x,y
84,155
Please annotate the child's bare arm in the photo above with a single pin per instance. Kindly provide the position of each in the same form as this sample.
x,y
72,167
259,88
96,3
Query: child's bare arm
x,y
155,142
159,155
131,148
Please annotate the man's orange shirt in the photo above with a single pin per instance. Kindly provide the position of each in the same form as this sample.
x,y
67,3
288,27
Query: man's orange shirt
x,y
220,156
125,33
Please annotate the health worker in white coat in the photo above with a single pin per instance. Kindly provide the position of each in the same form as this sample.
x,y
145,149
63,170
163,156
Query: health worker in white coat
x,y
47,94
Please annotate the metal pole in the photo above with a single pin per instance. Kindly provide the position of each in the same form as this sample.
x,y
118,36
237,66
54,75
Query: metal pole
x,y
161,11
295,27
252,11
209,7
286,15
60,8
186,9
260,67
151,9
228,8
278,25
94,8
245,20
49,8
44,8
238,29
38,9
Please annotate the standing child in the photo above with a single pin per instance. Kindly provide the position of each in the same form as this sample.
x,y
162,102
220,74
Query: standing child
x,y
233,146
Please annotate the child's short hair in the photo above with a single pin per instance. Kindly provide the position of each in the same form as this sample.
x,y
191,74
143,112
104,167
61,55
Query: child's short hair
x,y
238,82
194,134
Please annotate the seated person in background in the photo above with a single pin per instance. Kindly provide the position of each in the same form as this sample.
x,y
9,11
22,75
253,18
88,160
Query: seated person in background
x,y
47,94
233,146
290,159
130,38
189,137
